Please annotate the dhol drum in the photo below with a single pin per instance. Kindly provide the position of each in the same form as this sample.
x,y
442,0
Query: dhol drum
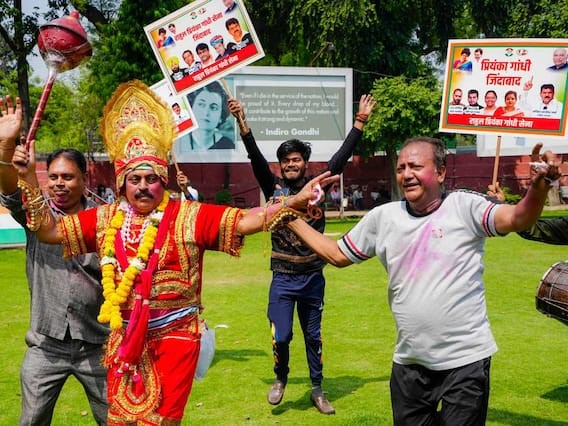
x,y
552,292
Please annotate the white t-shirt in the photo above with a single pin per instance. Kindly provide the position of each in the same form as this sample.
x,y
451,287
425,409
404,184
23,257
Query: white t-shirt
x,y
435,267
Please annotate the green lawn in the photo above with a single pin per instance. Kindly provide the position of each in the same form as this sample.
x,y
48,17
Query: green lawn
x,y
529,373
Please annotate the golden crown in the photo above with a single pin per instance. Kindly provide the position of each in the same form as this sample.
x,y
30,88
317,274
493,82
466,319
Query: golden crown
x,y
137,128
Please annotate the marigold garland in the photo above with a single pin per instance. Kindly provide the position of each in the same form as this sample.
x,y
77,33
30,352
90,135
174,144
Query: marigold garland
x,y
116,295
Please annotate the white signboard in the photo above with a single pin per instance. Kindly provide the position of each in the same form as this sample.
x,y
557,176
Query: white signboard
x,y
281,103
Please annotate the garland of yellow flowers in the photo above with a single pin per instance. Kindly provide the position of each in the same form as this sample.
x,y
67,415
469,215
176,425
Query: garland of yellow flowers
x,y
116,295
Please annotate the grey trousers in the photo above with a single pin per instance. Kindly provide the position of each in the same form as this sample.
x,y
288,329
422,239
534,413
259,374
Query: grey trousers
x,y
47,365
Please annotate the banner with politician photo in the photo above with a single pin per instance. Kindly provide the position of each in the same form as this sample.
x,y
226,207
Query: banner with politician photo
x,y
179,106
203,42
506,86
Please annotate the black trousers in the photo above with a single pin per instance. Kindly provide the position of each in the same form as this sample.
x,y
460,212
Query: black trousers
x,y
417,392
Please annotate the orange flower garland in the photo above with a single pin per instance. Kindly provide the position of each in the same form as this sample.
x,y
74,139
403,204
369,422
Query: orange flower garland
x,y
116,295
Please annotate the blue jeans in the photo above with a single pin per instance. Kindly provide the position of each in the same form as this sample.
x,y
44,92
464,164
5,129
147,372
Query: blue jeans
x,y
307,291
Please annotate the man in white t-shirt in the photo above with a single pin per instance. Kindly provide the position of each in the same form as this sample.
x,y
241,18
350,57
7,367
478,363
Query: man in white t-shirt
x,y
431,244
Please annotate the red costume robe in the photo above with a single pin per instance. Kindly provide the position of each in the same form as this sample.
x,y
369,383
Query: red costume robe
x,y
161,387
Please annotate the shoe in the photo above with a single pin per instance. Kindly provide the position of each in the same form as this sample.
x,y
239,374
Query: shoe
x,y
321,402
276,392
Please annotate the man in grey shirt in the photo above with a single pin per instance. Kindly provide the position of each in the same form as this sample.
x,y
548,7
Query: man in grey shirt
x,y
64,337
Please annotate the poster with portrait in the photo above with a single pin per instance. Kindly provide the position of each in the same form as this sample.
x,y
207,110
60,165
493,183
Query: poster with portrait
x,y
213,140
280,103
202,42
179,106
511,87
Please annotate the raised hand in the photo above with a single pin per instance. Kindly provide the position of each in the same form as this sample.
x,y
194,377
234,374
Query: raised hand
x,y
366,105
528,85
496,191
235,107
24,161
181,179
10,121
238,112
544,166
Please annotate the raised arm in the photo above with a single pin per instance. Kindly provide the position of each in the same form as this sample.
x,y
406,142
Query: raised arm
x,y
544,170
182,182
39,216
10,128
260,167
259,218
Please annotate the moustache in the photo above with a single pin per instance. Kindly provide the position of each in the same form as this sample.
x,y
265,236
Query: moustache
x,y
143,193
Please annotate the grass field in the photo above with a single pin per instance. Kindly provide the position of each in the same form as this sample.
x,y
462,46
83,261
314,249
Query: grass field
x,y
529,373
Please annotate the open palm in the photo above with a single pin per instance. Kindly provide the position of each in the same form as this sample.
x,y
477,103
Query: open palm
x,y
366,104
10,120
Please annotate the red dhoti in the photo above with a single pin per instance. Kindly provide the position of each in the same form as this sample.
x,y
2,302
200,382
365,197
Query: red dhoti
x,y
167,369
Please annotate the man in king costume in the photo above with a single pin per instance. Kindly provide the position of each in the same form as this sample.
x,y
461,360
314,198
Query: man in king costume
x,y
151,249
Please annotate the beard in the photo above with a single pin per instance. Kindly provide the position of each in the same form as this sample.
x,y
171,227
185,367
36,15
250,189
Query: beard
x,y
300,173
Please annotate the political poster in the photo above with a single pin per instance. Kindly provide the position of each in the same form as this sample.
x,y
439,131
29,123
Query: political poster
x,y
202,42
179,106
511,87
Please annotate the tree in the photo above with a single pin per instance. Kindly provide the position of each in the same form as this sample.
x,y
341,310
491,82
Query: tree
x,y
542,18
406,108
7,69
374,38
492,18
122,53
8,63
68,120
19,34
